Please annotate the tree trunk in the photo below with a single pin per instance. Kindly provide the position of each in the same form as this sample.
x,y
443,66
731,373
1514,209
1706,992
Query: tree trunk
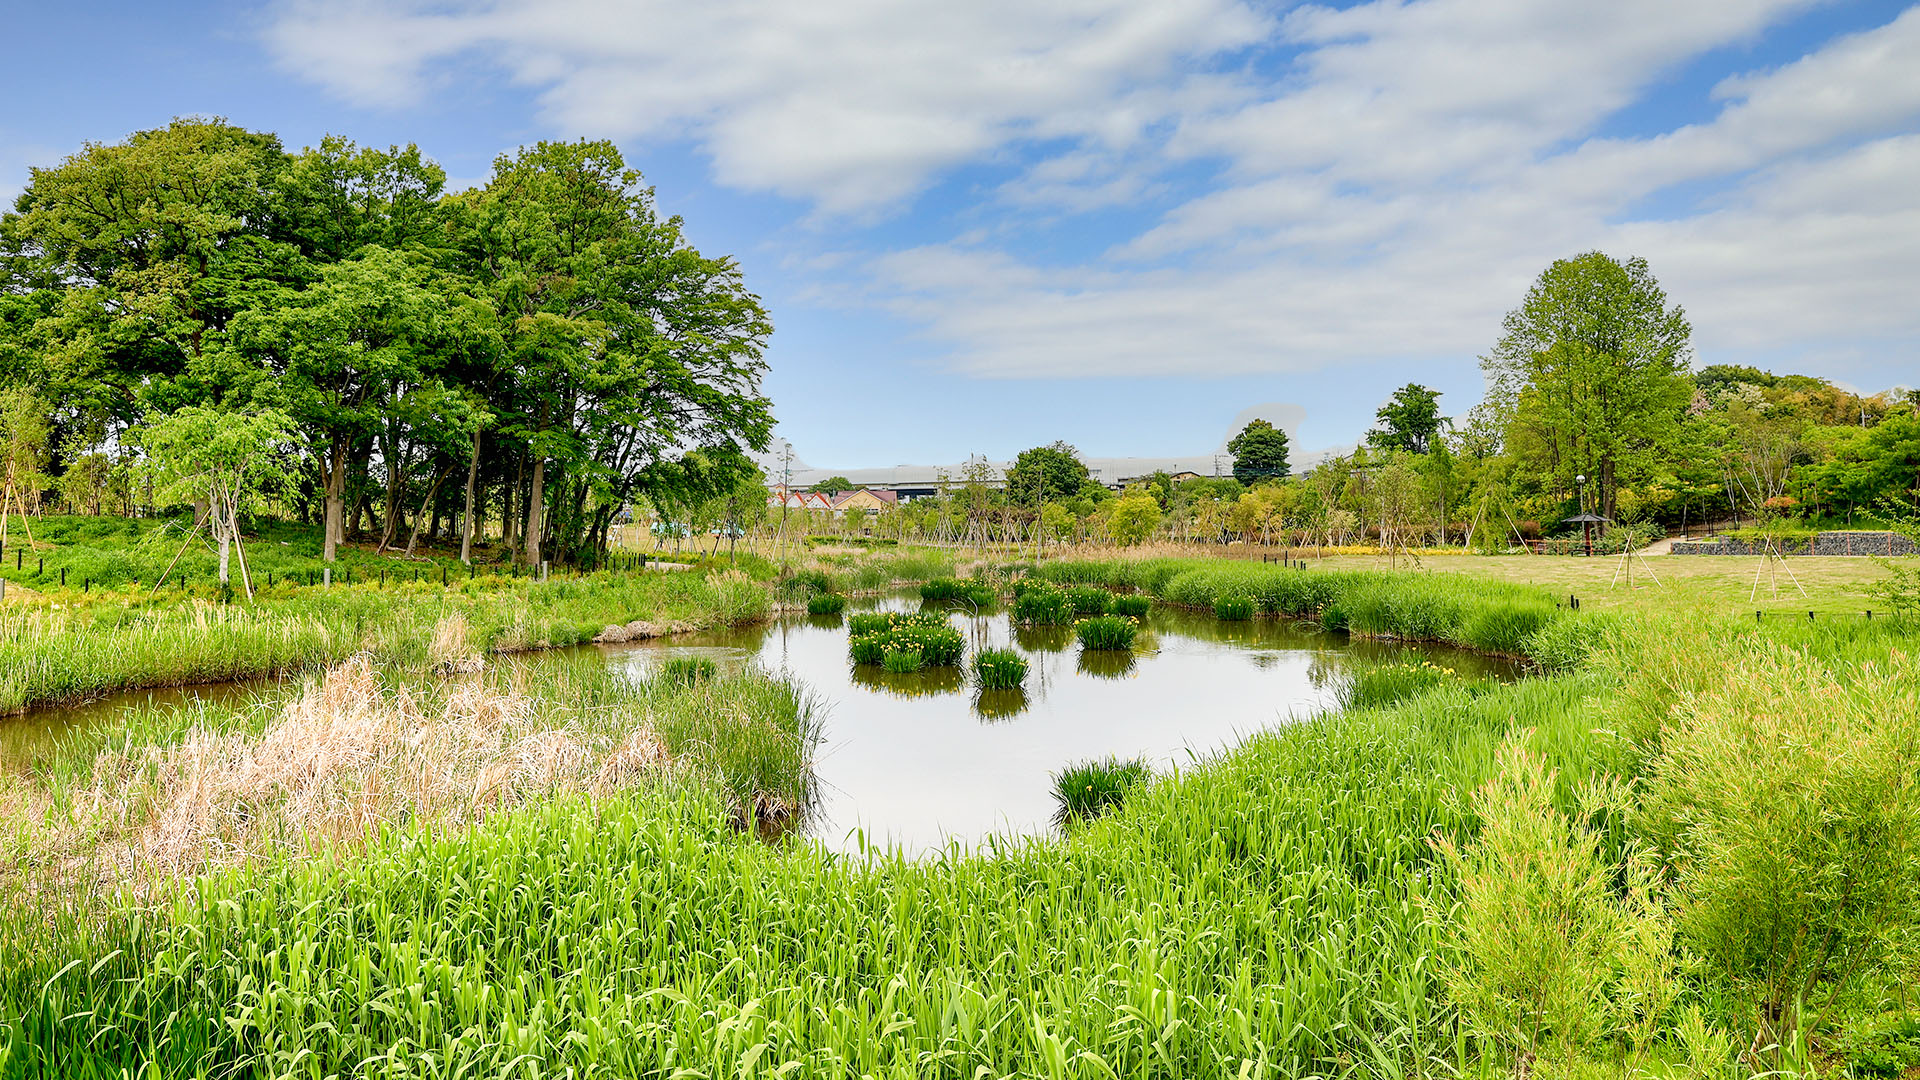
x,y
536,498
333,526
466,519
426,507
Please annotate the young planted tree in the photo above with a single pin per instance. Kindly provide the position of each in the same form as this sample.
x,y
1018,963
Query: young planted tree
x,y
216,457
24,435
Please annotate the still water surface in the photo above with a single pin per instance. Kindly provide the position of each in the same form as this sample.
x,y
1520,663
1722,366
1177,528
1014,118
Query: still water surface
x,y
922,760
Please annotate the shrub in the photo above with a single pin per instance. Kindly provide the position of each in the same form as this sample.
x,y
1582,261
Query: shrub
x,y
826,604
1088,789
999,669
1133,607
689,670
1085,600
902,659
1043,606
1537,931
1106,632
1233,607
1789,803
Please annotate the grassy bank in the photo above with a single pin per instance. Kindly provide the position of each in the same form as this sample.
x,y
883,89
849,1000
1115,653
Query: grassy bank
x,y
1510,619
52,653
64,647
1569,876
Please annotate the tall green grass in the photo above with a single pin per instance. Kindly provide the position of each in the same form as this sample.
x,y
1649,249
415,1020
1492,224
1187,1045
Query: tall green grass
x,y
1280,888
1498,617
50,655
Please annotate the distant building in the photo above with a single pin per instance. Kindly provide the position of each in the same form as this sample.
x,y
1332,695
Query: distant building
x,y
863,500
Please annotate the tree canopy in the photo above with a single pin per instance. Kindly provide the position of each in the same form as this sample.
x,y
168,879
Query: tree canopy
x,y
1590,375
1259,453
548,334
1409,421
1046,473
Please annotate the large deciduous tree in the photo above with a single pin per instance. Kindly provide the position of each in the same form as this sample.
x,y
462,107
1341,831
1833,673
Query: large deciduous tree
x,y
1409,421
623,345
1045,474
1259,453
1590,374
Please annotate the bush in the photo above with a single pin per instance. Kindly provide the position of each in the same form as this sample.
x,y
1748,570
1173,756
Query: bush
x,y
826,604
1085,600
1133,607
689,670
1106,632
1043,606
999,669
1088,789
1233,607
1789,805
1538,933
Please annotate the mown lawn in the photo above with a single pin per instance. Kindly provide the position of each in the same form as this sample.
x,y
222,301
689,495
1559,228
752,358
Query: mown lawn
x,y
1722,584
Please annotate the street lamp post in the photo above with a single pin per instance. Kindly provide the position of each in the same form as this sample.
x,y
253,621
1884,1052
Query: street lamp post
x,y
1586,526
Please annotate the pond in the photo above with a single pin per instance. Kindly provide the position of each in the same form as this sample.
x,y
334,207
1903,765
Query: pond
x,y
922,760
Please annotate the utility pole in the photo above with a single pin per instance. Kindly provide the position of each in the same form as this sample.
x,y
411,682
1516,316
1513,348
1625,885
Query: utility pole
x,y
786,500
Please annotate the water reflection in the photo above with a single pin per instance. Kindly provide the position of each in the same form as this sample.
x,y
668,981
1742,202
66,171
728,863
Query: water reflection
x,y
1043,638
908,684
1106,663
993,705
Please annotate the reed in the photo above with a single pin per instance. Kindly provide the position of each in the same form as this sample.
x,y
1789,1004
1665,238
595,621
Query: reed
x,y
1132,606
826,604
1088,789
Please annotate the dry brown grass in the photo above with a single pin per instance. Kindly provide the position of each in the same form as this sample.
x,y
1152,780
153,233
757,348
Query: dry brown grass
x,y
344,760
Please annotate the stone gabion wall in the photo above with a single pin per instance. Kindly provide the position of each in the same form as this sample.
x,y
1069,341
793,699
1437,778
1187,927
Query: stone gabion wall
x,y
1826,543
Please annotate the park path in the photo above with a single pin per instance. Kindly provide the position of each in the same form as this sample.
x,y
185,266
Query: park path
x,y
1658,547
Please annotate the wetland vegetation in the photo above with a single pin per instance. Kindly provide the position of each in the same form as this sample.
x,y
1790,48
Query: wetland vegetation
x,y
1382,889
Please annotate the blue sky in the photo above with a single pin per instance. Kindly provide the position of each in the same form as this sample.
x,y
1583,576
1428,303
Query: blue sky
x,y
1120,222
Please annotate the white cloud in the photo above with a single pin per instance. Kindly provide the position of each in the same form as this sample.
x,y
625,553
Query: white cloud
x,y
849,105
1390,175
